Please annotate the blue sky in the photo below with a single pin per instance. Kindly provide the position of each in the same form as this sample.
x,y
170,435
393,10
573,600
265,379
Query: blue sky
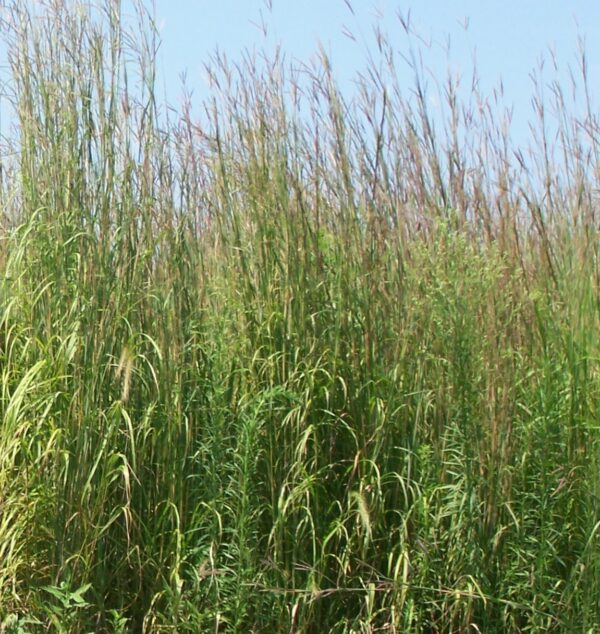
x,y
508,38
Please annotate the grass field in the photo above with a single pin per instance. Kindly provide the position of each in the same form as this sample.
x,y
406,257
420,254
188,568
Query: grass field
x,y
311,365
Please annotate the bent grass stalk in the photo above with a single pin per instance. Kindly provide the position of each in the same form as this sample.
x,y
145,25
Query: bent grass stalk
x,y
303,365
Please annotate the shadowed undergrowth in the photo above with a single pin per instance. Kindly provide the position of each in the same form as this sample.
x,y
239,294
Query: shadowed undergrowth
x,y
304,366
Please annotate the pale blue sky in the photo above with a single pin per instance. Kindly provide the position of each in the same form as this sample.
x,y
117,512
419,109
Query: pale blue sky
x,y
507,37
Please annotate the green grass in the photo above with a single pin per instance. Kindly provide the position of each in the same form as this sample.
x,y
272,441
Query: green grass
x,y
306,366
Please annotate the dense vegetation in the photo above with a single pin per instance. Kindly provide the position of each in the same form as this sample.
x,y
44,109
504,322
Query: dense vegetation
x,y
305,364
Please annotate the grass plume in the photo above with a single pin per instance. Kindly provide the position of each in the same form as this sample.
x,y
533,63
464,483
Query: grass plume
x,y
307,364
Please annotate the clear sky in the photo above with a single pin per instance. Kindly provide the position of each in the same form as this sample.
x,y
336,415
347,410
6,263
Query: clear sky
x,y
507,37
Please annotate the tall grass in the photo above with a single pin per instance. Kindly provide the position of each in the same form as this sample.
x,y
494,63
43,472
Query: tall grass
x,y
310,364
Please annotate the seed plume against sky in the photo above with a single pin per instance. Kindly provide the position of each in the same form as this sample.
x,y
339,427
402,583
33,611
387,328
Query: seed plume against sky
x,y
507,39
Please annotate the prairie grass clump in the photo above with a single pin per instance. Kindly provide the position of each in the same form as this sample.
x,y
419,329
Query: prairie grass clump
x,y
304,366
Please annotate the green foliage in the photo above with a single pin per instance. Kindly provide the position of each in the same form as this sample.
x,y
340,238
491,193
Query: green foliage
x,y
287,369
